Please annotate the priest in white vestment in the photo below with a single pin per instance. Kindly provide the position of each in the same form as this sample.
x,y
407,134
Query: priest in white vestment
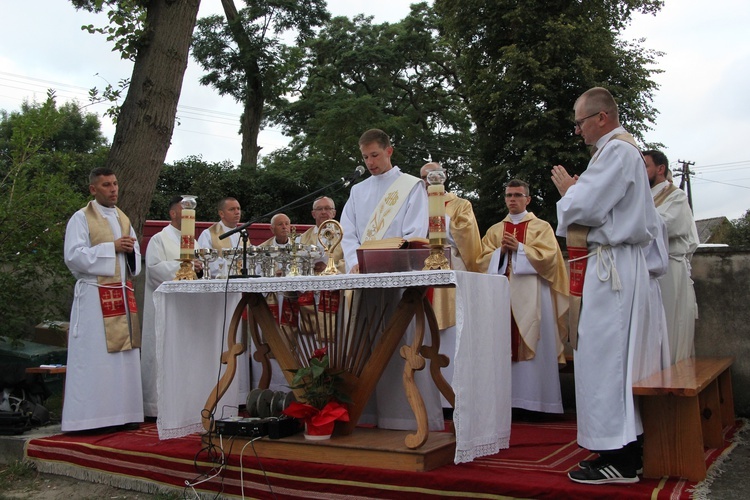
x,y
162,264
230,214
103,380
677,290
323,209
524,248
610,205
366,217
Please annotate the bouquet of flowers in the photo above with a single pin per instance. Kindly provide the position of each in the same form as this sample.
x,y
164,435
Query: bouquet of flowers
x,y
323,401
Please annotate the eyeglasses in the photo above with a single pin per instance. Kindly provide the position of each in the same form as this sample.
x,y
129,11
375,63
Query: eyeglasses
x,y
324,209
516,195
578,123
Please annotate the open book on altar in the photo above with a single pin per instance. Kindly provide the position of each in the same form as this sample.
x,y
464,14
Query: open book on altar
x,y
395,255
394,243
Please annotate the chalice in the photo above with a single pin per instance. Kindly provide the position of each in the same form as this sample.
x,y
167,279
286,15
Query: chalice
x,y
206,255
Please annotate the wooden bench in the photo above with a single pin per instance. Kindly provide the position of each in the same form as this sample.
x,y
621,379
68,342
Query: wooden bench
x,y
683,409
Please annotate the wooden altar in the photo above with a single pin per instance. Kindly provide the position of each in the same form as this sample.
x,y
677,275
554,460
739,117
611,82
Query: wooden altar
x,y
178,316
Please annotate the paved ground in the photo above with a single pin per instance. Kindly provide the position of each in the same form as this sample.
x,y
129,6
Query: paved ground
x,y
732,484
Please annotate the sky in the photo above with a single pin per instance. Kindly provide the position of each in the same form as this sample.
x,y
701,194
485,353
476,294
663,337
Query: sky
x,y
703,101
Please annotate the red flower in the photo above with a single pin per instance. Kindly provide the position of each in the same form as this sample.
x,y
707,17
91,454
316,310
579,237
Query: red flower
x,y
331,412
320,353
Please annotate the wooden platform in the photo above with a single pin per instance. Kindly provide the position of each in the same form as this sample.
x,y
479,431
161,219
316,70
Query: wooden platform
x,y
378,448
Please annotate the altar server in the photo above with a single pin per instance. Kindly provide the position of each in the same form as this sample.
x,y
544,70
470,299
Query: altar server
x,y
608,207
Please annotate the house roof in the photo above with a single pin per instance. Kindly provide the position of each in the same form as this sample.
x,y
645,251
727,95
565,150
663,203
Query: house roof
x,y
708,227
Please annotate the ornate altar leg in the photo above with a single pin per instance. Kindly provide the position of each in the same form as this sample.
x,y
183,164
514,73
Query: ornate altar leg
x,y
414,362
437,360
262,352
229,358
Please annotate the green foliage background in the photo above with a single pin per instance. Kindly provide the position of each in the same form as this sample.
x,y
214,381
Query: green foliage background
x,y
46,153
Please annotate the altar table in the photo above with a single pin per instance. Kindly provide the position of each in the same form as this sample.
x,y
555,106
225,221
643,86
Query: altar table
x,y
189,315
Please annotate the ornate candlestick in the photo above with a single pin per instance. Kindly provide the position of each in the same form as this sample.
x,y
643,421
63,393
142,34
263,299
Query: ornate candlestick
x,y
187,238
438,237
294,269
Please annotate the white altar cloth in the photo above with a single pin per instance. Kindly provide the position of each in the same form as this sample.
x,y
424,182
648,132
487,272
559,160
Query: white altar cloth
x,y
189,315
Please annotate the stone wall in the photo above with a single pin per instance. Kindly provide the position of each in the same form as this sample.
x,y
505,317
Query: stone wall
x,y
722,289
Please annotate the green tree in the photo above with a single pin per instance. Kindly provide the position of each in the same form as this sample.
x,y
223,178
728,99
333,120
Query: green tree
x,y
245,57
359,75
521,67
46,154
739,232
159,48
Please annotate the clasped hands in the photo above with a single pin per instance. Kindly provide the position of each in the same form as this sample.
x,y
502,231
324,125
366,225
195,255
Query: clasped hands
x,y
562,179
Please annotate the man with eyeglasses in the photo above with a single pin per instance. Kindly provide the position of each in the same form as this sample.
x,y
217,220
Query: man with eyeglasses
x,y
323,209
524,248
608,218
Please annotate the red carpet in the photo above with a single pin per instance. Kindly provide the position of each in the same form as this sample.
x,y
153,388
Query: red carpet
x,y
534,466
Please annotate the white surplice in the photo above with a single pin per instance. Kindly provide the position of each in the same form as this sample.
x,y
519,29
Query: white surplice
x,y
101,389
389,408
612,198
162,265
677,286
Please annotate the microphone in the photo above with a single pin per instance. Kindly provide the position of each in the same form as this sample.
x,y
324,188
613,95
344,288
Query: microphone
x,y
356,175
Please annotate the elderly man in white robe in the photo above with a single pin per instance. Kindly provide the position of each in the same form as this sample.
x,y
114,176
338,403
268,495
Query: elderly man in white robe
x,y
103,386
360,222
677,290
162,264
608,210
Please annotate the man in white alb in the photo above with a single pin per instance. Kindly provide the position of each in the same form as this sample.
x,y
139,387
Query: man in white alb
x,y
608,213
388,204
677,291
162,264
103,381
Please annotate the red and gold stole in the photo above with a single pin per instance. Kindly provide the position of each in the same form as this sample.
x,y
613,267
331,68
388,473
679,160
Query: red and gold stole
x,y
519,232
120,322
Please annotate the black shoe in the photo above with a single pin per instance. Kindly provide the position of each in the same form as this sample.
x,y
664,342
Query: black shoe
x,y
604,474
600,461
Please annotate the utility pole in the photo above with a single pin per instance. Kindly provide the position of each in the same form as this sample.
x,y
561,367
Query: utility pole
x,y
685,180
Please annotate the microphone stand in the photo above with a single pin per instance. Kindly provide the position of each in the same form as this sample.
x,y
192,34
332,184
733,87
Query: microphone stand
x,y
242,229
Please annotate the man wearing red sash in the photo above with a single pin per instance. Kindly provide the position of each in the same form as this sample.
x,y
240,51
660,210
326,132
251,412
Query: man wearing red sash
x,y
524,248
103,388
610,205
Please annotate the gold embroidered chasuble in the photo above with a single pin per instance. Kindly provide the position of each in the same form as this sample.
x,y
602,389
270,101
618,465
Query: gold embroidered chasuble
x,y
117,299
543,253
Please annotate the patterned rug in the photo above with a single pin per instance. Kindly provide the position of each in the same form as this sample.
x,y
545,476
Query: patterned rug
x,y
535,466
